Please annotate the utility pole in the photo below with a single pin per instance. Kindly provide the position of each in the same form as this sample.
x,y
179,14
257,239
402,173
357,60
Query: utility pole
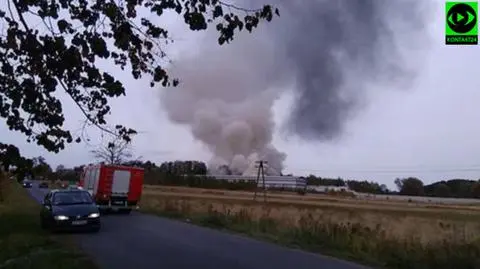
x,y
260,172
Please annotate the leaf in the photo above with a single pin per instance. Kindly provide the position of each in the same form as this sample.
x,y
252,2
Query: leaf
x,y
62,26
159,74
249,27
217,12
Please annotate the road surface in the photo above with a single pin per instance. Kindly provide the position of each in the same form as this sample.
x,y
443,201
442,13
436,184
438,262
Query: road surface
x,y
142,241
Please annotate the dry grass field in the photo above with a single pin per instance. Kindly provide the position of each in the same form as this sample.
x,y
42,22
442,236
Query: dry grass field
x,y
392,234
319,201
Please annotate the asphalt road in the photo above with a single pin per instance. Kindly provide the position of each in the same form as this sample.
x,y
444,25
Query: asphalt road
x,y
143,241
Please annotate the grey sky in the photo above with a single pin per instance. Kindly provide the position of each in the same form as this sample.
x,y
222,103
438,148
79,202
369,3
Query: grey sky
x,y
430,129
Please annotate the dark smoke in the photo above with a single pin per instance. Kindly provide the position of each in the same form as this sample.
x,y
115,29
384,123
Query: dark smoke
x,y
324,40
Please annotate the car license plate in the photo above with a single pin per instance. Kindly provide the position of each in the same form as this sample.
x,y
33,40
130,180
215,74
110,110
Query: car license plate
x,y
118,203
79,222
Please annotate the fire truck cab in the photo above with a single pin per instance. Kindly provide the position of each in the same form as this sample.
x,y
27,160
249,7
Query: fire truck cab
x,y
113,187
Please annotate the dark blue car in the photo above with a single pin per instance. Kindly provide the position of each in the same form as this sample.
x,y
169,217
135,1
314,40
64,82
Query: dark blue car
x,y
68,210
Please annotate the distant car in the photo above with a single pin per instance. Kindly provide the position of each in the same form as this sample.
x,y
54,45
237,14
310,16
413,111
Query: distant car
x,y
43,185
69,210
27,184
73,187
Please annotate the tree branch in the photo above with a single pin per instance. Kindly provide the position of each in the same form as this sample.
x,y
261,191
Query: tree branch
x,y
65,88
237,7
20,15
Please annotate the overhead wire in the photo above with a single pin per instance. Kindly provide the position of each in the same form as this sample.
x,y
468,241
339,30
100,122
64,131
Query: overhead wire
x,y
388,171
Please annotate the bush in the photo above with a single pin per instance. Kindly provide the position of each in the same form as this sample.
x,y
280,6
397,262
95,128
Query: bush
x,y
2,186
341,193
301,191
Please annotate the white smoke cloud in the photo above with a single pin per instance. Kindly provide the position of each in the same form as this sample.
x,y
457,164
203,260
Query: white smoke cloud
x,y
227,102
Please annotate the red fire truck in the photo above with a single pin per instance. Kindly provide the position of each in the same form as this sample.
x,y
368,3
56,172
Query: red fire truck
x,y
113,187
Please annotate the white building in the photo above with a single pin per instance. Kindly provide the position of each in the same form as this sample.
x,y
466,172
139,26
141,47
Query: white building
x,y
288,182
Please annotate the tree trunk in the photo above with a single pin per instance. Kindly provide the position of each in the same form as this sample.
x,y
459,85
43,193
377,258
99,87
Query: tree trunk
x,y
2,179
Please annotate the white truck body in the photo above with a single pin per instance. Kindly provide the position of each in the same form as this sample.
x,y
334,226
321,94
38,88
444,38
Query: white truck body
x,y
121,183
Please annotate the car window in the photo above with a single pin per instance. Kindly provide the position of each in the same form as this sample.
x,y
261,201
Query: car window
x,y
71,198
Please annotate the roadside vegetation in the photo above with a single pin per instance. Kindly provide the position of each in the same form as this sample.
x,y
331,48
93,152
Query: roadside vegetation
x,y
22,242
388,233
382,234
194,174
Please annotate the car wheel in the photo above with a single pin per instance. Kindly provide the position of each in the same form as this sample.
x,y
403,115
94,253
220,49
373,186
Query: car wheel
x,y
96,230
126,211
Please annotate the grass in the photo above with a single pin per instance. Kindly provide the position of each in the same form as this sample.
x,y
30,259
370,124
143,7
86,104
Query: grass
x,y
315,201
385,235
22,242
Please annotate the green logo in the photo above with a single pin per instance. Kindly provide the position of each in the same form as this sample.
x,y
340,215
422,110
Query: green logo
x,y
461,25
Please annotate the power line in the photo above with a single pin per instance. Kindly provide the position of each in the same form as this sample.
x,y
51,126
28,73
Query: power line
x,y
387,171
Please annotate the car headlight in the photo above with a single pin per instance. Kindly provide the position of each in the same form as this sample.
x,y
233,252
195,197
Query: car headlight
x,y
60,217
94,215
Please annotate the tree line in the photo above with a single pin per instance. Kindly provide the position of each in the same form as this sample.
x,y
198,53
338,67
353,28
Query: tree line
x,y
193,173
411,186
36,64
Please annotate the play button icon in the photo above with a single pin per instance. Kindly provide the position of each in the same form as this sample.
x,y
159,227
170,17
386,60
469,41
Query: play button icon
x,y
461,18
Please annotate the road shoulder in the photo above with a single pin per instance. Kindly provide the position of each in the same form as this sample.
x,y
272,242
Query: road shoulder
x,y
24,244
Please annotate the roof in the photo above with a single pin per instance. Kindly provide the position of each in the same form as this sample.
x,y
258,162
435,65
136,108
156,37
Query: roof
x,y
67,190
124,167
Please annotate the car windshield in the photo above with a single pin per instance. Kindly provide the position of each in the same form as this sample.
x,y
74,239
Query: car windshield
x,y
72,198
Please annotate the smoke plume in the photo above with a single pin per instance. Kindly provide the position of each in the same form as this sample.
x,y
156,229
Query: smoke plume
x,y
225,97
226,93
325,41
